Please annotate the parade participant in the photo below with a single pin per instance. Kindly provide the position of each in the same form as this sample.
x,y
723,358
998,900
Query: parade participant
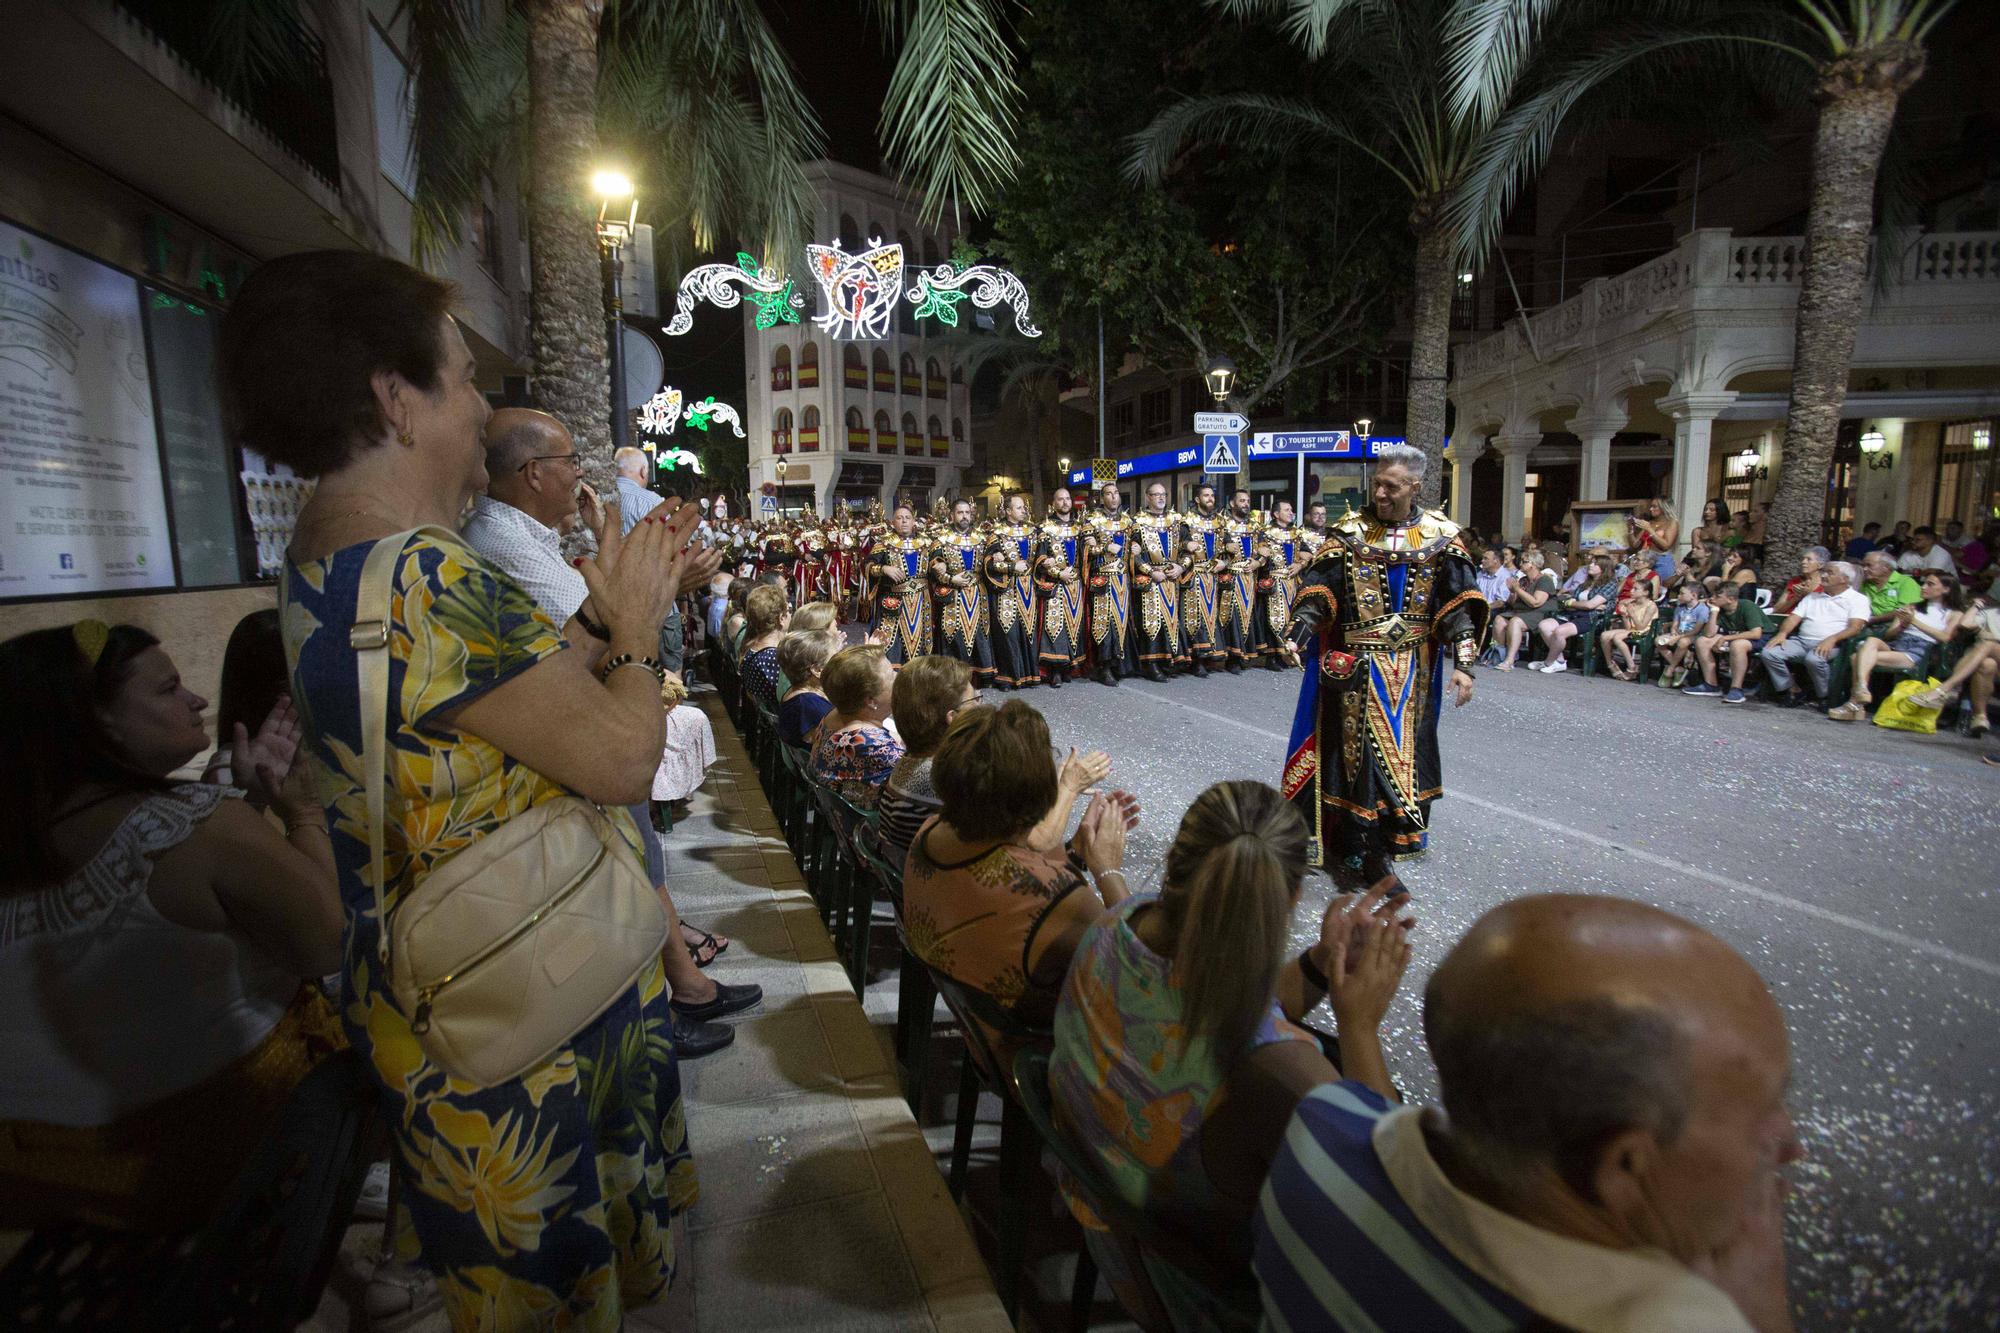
x,y
1278,582
1059,583
1156,582
775,551
1204,569
1107,542
956,555
842,564
1391,603
809,582
1239,626
1009,568
894,575
1312,532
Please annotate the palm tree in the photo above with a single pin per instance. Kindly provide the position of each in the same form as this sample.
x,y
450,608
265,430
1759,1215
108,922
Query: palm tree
x,y
1464,100
1873,54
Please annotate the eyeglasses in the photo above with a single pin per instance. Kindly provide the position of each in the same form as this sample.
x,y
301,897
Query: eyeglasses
x,y
569,458
973,700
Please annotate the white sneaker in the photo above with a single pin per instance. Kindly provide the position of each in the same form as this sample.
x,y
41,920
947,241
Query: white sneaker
x,y
1552,668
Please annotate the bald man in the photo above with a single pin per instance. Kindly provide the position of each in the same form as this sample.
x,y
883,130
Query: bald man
x,y
1607,1158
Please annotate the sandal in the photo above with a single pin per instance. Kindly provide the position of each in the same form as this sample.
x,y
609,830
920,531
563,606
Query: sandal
x,y
716,946
1935,698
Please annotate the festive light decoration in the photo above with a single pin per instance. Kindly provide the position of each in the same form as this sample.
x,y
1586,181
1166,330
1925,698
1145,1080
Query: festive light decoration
x,y
670,460
661,413
861,290
775,301
939,291
700,415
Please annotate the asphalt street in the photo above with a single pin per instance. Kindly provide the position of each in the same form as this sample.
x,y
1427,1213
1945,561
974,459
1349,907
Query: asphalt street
x,y
1856,867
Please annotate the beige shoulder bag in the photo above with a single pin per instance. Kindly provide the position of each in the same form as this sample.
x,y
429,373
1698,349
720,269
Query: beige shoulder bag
x,y
505,950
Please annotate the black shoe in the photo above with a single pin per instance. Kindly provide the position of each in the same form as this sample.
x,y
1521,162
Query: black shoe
x,y
728,1000
1787,699
1104,677
1274,663
1151,672
694,1039
1054,680
1234,668
1198,670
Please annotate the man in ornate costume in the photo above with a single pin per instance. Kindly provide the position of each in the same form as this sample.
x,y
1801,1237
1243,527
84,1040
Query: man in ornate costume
x,y
1239,548
1011,548
895,569
957,554
811,584
1392,613
1278,582
1203,569
1156,582
1107,541
1059,586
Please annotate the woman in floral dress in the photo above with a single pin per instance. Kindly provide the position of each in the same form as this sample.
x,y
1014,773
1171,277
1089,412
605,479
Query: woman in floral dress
x,y
547,1200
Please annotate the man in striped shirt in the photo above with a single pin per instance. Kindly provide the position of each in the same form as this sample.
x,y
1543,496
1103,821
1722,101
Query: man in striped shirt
x,y
1606,1161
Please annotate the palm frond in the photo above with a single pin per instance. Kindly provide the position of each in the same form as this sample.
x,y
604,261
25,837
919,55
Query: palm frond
x,y
466,85
948,117
252,42
1488,45
1252,119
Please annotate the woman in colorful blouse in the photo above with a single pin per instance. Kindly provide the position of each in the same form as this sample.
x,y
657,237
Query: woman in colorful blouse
x,y
802,656
992,896
548,1199
852,752
1178,1060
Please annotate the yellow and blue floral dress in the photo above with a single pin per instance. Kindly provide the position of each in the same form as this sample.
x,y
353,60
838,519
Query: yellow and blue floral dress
x,y
547,1201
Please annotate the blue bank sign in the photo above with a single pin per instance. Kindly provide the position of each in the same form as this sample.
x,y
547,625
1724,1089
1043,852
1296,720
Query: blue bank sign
x,y
1265,445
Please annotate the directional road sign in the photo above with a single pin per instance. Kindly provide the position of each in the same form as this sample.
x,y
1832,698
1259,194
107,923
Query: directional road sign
x,y
1222,452
1208,423
1268,443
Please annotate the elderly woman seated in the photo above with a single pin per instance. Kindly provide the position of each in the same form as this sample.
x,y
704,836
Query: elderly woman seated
x,y
802,656
1178,1060
992,896
930,694
766,618
852,752
1531,600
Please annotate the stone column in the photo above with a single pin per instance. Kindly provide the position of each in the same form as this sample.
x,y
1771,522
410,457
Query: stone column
x,y
1594,477
1514,451
1694,420
1462,454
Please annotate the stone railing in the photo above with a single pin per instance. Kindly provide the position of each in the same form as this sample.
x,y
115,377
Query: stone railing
x,y
1713,267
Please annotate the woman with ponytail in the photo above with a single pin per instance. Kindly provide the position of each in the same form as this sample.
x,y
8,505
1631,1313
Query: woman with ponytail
x,y
1178,1059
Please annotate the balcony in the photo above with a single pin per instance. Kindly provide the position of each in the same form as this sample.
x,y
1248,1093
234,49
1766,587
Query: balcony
x,y
940,447
781,378
808,374
781,441
809,440
885,380
293,105
856,376
935,387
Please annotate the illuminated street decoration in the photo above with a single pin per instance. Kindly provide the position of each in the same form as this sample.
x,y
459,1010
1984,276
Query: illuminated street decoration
x,y
661,413
861,290
772,296
700,415
939,291
671,460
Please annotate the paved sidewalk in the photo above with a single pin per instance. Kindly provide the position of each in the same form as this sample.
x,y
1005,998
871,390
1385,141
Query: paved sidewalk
x,y
822,1206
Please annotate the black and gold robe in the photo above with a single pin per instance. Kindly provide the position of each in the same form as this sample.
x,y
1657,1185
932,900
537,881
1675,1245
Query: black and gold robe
x,y
896,569
1009,565
959,588
1108,546
1059,585
1156,637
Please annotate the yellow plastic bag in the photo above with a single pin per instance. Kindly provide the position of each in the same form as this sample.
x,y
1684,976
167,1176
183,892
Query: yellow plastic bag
x,y
1899,713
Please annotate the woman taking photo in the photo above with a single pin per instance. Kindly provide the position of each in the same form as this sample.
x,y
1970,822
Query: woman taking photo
x,y
556,1189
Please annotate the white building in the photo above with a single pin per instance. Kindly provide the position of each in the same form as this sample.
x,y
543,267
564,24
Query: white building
x,y
858,421
1687,360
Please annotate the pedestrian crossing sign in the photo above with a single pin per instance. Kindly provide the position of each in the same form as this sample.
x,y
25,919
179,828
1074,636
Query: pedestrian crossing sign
x,y
1222,453
770,505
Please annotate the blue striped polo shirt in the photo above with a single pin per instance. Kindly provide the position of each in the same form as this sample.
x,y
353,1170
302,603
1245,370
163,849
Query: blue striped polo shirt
x,y
1337,1248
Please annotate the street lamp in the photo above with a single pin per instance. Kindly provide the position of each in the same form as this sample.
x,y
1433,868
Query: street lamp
x,y
617,219
1063,463
1873,447
1221,377
1361,425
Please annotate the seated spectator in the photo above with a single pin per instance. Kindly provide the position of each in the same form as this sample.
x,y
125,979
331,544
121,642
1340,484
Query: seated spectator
x,y
1696,568
1531,600
1977,665
719,600
1178,1060
255,697
930,694
684,763
1868,540
1580,614
1813,633
992,895
1678,638
1805,582
802,656
1577,580
1736,567
1756,524
765,619
1607,1156
1735,631
1915,633
1714,525
1492,578
1975,554
852,752
1887,589
1923,552
1898,539
158,940
1633,619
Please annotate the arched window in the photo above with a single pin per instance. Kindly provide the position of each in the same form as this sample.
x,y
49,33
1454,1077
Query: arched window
x,y
913,443
850,233
958,429
809,430
885,378
885,434
911,384
876,231
809,366
939,445
933,378
853,368
857,430
957,373
781,367
781,431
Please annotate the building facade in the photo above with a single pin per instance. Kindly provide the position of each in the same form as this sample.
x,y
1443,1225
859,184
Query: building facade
x,y
853,422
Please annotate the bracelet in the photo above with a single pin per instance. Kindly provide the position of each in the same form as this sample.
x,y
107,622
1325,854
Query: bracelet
x,y
651,664
591,627
1312,974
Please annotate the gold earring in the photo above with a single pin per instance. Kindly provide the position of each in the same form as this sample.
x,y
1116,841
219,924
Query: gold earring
x,y
404,438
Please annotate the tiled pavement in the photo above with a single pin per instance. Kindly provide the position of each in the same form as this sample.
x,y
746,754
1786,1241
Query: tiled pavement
x,y
822,1205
